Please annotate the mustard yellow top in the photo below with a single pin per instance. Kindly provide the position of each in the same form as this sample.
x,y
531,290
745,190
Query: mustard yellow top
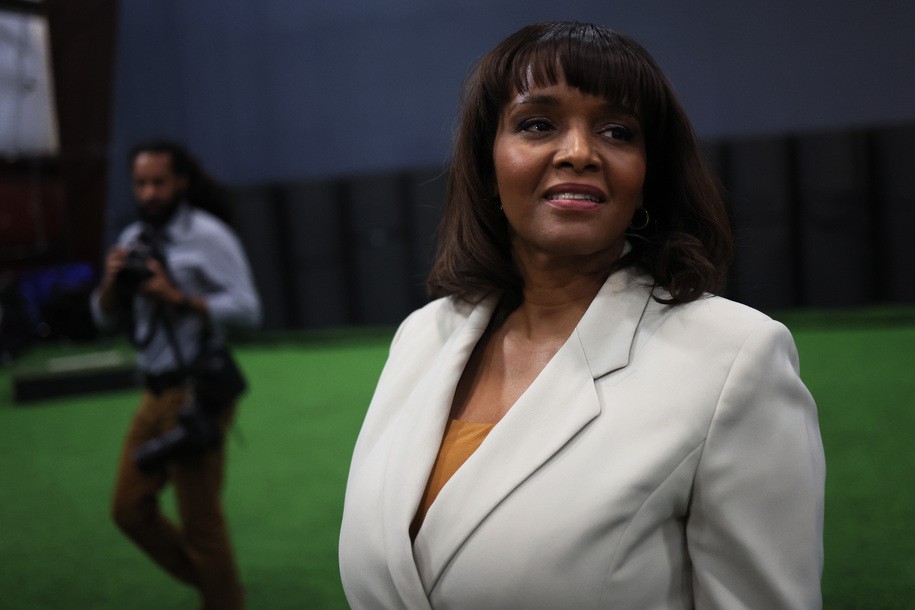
x,y
460,440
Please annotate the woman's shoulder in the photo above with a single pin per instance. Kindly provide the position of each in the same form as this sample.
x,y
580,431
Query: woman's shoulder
x,y
724,310
713,334
444,307
438,319
715,318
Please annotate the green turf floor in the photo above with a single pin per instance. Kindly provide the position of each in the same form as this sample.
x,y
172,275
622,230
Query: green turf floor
x,y
863,380
289,456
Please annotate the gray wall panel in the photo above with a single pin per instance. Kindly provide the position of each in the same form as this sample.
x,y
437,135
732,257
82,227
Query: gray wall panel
x,y
319,269
833,185
257,227
760,199
895,150
379,243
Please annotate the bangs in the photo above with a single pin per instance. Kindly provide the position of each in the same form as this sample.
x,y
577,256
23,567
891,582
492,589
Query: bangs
x,y
597,62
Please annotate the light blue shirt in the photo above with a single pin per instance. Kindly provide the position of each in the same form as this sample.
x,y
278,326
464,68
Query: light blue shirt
x,y
204,259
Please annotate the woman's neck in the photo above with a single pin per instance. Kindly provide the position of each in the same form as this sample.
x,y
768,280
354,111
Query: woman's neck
x,y
553,304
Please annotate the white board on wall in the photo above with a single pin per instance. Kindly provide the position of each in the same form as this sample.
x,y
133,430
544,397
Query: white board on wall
x,y
28,121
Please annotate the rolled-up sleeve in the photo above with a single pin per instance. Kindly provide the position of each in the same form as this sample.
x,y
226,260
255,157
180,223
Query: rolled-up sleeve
x,y
102,320
756,516
235,301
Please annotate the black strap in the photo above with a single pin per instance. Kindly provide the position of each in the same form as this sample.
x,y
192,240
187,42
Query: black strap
x,y
217,378
160,316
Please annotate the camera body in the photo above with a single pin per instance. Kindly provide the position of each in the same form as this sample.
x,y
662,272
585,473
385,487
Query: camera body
x,y
197,431
217,382
136,268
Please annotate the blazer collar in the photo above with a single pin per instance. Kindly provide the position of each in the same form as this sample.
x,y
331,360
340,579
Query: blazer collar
x,y
556,407
607,330
414,447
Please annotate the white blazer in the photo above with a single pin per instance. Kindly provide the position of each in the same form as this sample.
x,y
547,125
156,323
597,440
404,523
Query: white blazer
x,y
666,457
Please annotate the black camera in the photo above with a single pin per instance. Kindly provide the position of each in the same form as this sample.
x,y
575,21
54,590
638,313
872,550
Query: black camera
x,y
197,431
136,268
217,383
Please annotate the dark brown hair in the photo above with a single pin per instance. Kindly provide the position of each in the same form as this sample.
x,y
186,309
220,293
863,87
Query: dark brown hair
x,y
203,191
687,246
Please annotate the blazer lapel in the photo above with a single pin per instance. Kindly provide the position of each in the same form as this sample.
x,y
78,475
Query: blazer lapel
x,y
607,330
557,406
414,447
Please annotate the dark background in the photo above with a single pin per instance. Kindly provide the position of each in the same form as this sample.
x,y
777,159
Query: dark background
x,y
331,122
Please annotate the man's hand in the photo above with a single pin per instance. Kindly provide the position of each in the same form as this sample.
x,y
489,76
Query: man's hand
x,y
159,287
114,262
162,289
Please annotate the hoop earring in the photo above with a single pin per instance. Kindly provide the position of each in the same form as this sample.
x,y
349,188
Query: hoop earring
x,y
641,225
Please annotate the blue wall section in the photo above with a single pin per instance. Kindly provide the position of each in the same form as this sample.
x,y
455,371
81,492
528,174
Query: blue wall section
x,y
331,122
285,90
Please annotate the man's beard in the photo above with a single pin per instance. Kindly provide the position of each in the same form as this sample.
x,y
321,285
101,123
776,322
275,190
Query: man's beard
x,y
160,217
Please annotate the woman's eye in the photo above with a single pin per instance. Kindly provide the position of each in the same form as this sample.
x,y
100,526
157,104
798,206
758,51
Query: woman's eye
x,y
619,132
535,125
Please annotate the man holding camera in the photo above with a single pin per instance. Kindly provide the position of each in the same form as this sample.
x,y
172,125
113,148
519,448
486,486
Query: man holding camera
x,y
176,279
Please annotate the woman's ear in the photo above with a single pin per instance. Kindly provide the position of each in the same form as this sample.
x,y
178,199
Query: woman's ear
x,y
494,199
494,191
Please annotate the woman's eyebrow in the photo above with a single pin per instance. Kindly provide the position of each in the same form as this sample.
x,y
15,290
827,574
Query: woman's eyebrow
x,y
539,99
542,99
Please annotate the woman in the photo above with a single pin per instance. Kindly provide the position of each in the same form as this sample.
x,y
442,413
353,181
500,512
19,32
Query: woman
x,y
576,422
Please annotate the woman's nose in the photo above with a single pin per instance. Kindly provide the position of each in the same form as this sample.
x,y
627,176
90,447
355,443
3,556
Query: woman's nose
x,y
576,151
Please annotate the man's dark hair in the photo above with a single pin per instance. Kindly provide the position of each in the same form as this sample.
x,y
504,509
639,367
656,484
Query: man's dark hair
x,y
687,247
203,191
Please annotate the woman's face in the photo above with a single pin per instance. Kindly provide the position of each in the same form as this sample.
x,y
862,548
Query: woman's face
x,y
569,171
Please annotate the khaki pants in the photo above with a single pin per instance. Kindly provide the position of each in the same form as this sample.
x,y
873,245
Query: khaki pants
x,y
198,552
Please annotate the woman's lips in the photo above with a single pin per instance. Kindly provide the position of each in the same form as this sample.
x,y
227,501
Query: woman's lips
x,y
574,196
